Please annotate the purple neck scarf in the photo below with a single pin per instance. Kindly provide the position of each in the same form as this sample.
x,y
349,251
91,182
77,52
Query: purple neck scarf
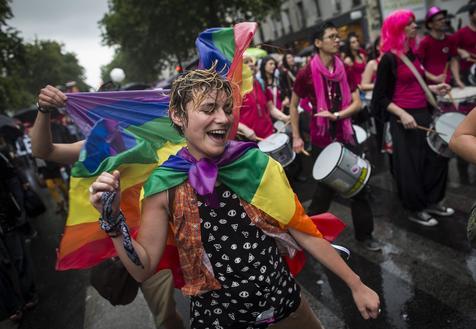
x,y
202,174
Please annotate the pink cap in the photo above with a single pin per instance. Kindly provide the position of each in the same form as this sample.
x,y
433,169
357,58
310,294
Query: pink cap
x,y
433,11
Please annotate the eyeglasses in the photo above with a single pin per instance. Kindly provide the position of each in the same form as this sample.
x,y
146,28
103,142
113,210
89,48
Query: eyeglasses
x,y
333,37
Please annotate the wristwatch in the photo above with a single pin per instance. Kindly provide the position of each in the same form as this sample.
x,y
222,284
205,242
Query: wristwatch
x,y
337,115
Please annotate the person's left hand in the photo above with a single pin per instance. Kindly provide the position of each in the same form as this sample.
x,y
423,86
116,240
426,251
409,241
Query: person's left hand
x,y
327,115
367,301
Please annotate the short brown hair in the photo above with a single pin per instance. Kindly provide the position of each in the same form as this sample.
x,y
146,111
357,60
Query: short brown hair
x,y
194,86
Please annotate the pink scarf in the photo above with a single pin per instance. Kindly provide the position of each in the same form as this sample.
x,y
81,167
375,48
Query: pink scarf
x,y
344,126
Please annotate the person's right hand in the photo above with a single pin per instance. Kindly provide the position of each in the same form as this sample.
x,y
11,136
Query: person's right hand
x,y
408,121
298,144
51,97
106,182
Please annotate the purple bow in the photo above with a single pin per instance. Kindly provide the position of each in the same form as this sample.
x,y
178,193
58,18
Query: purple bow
x,y
203,174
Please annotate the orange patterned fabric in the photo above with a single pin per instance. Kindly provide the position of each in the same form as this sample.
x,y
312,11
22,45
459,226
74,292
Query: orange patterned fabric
x,y
185,221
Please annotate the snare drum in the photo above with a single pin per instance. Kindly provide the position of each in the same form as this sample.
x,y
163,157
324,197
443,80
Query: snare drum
x,y
342,170
360,134
445,126
278,147
465,98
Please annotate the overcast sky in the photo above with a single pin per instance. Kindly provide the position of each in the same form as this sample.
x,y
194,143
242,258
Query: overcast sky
x,y
73,23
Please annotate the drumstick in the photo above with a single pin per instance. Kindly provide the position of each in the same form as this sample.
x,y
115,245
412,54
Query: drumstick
x,y
306,153
243,135
431,130
450,96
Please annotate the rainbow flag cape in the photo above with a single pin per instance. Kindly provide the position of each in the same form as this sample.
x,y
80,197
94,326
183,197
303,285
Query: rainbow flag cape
x,y
253,175
131,132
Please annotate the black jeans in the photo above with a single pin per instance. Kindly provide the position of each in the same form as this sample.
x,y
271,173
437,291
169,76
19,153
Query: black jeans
x,y
361,211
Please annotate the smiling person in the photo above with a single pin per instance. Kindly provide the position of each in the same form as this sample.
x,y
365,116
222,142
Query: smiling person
x,y
228,248
421,174
335,99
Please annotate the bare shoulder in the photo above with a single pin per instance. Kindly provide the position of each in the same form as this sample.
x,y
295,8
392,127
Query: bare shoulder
x,y
158,201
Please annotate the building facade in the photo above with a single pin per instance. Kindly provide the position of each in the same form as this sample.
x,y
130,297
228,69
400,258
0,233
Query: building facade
x,y
293,25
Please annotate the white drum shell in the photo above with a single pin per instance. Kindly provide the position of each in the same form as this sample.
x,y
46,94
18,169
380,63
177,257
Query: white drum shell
x,y
445,124
348,174
278,147
360,134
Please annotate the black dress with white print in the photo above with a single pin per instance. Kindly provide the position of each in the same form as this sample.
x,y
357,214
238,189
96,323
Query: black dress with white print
x,y
255,279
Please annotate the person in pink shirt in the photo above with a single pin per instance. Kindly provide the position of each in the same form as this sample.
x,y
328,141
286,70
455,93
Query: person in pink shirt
x,y
437,51
355,58
420,173
334,98
465,39
257,110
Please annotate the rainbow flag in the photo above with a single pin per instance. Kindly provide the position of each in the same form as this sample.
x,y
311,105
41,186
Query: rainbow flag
x,y
130,131
224,47
127,131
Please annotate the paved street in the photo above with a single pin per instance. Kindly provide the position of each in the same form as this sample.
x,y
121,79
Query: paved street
x,y
424,276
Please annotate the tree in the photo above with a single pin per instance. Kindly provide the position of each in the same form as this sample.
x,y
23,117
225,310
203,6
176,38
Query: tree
x,y
48,63
150,33
12,59
26,68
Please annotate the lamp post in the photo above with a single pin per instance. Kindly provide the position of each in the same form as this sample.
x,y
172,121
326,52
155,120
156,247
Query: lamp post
x,y
117,75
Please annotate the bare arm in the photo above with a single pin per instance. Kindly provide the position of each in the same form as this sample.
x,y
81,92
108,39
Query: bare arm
x,y
435,78
41,141
354,107
151,240
370,68
152,237
454,67
407,120
275,113
246,131
366,300
298,143
463,141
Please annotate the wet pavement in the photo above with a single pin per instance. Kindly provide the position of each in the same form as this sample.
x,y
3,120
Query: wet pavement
x,y
426,277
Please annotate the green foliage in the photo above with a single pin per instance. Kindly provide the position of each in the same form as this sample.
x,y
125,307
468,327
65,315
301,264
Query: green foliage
x,y
25,68
150,33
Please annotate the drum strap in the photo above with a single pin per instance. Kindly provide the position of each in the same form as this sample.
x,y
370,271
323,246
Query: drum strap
x,y
429,95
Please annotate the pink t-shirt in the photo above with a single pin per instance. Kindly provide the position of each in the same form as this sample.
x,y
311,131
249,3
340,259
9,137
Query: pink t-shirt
x,y
357,69
408,92
465,38
254,111
434,54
